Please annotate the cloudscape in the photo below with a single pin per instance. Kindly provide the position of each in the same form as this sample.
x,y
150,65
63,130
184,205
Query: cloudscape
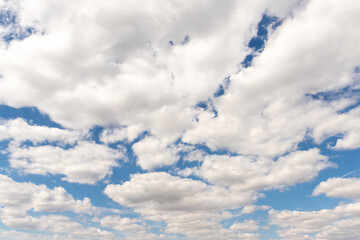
x,y
199,120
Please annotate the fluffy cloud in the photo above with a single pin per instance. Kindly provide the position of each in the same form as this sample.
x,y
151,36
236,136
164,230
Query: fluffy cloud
x,y
254,174
18,130
267,108
247,225
28,196
298,224
17,199
160,191
56,224
187,206
152,152
128,225
136,76
120,134
344,229
86,162
131,69
339,187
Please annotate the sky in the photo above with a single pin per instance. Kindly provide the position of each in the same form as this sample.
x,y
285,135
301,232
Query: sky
x,y
174,119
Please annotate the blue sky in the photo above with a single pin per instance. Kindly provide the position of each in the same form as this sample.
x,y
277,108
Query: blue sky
x,y
179,120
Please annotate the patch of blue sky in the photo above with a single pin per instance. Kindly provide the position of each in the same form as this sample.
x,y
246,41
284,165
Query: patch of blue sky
x,y
208,106
257,43
222,87
298,197
18,35
7,18
351,91
30,114
126,169
186,40
3,155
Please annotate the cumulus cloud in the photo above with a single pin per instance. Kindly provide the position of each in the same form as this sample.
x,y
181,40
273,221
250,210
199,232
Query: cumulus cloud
x,y
247,226
18,198
56,224
86,162
136,76
28,196
262,173
152,152
120,134
128,225
18,130
188,206
302,224
339,187
152,68
267,108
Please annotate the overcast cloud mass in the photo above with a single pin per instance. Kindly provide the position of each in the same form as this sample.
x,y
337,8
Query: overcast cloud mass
x,y
175,119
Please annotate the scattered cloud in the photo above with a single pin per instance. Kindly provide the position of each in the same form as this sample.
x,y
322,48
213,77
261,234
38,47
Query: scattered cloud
x,y
171,120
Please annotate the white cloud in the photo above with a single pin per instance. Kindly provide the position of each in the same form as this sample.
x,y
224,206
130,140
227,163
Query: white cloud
x,y
339,187
152,152
18,130
254,174
344,229
128,225
245,226
300,224
195,155
266,110
18,198
104,63
252,208
120,134
86,162
111,64
28,196
56,224
187,206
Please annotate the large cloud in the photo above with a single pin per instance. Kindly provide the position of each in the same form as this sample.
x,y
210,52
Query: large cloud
x,y
339,187
267,108
187,206
120,68
17,199
87,162
28,196
18,130
137,67
326,223
256,174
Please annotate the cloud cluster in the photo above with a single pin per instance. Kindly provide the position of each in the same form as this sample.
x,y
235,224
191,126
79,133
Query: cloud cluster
x,y
18,130
254,174
325,224
57,151
147,73
187,206
339,188
87,162
17,199
28,196
337,223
